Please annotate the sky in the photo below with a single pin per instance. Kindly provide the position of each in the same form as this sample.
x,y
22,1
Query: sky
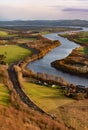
x,y
43,9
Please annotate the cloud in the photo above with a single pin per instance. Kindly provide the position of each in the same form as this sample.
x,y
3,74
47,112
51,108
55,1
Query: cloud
x,y
75,10
44,9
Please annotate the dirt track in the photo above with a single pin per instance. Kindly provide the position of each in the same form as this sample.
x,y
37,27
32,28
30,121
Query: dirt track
x,y
19,90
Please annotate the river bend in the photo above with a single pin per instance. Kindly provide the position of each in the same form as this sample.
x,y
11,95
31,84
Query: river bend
x,y
44,64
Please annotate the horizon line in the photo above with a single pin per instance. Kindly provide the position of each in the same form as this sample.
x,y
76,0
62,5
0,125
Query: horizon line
x,y
41,20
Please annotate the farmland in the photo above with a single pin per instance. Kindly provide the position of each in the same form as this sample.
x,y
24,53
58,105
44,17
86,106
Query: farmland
x,y
48,98
14,53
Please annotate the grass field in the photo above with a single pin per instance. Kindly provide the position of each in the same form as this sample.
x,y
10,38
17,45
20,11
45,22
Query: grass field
x,y
81,37
76,115
49,99
83,50
14,52
44,32
4,95
3,33
82,40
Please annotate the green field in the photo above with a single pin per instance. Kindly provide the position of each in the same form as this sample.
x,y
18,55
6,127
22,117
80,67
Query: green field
x,y
49,99
83,50
14,52
82,40
64,35
4,95
3,33
44,32
80,37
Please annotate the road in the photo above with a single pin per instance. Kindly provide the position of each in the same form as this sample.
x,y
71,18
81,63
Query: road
x,y
20,92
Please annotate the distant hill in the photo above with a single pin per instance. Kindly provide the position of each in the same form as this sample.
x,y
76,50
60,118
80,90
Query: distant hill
x,y
48,23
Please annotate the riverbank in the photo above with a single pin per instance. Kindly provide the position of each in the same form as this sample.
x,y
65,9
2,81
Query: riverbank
x,y
19,115
26,116
39,49
77,62
80,38
29,75
37,54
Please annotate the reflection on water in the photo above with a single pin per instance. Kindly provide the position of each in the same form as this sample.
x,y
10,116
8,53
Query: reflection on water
x,y
43,65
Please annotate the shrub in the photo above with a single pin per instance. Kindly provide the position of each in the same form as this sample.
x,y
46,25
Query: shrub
x,y
78,96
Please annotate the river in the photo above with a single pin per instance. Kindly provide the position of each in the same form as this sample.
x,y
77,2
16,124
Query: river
x,y
44,64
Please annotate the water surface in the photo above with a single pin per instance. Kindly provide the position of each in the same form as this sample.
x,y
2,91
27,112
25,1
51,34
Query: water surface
x,y
44,64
